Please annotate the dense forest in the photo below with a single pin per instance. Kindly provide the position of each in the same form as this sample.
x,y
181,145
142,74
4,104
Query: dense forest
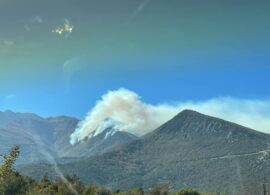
x,y
13,183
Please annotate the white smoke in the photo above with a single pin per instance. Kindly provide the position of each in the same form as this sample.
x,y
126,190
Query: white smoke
x,y
127,109
139,118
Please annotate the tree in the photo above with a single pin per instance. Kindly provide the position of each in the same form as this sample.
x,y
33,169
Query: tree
x,y
11,182
104,191
90,190
137,191
7,167
159,190
187,192
74,183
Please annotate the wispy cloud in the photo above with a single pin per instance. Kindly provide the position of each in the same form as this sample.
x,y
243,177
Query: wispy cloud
x,y
27,27
36,19
10,97
6,45
140,8
138,117
6,101
32,21
8,42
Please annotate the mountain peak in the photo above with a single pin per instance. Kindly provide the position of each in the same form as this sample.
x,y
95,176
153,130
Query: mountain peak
x,y
192,123
9,111
188,114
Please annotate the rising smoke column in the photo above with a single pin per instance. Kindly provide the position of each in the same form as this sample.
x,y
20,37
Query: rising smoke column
x,y
129,113
126,108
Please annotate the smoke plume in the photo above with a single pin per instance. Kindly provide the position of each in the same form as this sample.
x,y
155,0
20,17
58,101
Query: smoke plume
x,y
127,109
137,117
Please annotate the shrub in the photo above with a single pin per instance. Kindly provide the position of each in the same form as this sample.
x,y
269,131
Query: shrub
x,y
187,192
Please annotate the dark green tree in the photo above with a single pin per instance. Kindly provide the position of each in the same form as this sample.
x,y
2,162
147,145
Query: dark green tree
x,y
104,191
44,187
159,190
11,182
90,190
187,192
8,163
137,191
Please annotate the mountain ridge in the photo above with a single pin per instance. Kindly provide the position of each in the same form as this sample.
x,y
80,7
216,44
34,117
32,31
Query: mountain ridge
x,y
190,150
44,135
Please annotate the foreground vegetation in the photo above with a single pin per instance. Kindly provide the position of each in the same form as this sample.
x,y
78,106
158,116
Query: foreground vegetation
x,y
12,183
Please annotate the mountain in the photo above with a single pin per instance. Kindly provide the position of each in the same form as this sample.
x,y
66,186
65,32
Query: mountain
x,y
26,130
190,150
48,139
40,138
100,143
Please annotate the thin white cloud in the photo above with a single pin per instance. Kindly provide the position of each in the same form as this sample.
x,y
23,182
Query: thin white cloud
x,y
27,27
5,101
137,117
31,22
140,8
10,97
8,42
6,46
36,19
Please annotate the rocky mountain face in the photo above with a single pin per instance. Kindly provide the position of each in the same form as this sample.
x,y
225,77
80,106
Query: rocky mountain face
x,y
191,150
47,139
103,142
33,133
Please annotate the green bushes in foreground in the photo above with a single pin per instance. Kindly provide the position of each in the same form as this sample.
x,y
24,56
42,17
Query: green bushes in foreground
x,y
187,192
12,183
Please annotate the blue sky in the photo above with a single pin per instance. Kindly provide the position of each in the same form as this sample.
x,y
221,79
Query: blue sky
x,y
157,83
166,52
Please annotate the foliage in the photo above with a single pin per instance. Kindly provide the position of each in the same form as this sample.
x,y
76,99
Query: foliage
x,y
159,190
187,192
90,190
12,183
104,191
137,191
7,167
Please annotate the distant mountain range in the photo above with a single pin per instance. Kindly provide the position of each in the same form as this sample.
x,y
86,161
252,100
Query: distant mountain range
x,y
191,150
45,139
